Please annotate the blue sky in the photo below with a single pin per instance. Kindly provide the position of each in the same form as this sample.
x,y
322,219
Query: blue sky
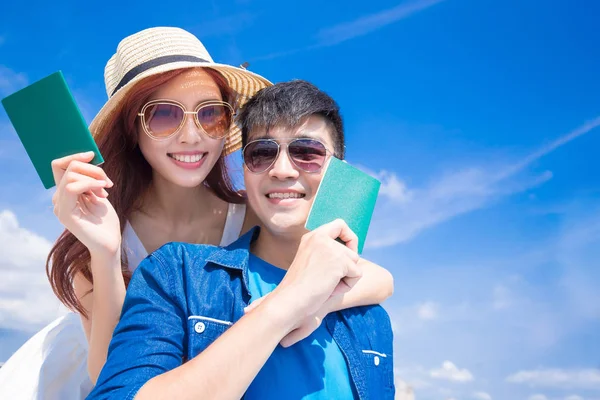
x,y
481,118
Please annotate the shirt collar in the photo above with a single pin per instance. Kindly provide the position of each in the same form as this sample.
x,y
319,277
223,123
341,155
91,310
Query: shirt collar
x,y
236,255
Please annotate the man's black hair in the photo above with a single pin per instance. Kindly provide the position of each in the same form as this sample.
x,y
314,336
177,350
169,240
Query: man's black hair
x,y
287,103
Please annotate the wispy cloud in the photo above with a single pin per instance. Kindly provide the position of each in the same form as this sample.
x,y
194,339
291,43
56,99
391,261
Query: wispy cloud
x,y
11,81
370,23
427,310
364,25
574,397
482,396
502,297
403,212
451,372
26,299
561,141
403,390
558,378
537,397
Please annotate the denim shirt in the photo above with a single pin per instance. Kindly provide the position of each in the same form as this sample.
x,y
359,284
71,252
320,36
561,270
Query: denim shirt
x,y
183,297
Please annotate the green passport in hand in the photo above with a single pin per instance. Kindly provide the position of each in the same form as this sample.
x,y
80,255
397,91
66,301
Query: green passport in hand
x,y
49,124
347,193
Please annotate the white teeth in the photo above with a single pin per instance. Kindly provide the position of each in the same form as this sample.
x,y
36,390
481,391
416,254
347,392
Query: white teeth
x,y
286,195
187,158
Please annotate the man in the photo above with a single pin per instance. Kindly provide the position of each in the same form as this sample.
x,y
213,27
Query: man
x,y
184,333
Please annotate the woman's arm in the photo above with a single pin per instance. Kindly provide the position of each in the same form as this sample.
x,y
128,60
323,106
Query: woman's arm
x,y
374,287
103,308
81,205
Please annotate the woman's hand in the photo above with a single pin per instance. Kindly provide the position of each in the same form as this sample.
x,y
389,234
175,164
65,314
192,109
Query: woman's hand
x,y
81,204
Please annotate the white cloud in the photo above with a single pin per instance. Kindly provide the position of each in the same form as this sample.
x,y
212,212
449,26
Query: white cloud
x,y
573,397
558,378
427,311
482,396
404,391
502,297
537,397
26,299
451,372
399,219
393,187
370,23
402,212
11,81
577,253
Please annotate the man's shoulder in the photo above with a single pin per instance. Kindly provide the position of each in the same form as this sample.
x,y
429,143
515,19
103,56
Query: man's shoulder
x,y
372,313
181,253
372,325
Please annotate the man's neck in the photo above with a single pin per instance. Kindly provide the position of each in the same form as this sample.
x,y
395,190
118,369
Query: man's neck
x,y
277,249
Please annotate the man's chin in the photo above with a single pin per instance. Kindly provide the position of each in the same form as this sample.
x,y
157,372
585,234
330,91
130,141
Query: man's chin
x,y
286,225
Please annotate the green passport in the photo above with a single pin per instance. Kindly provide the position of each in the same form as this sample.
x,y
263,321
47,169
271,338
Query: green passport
x,y
49,124
347,193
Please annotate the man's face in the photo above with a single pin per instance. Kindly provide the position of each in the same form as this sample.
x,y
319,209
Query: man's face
x,y
282,195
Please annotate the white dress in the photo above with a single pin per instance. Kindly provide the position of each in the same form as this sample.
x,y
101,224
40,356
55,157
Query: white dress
x,y
52,365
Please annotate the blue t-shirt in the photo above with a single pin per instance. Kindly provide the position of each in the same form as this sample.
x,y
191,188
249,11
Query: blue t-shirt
x,y
314,368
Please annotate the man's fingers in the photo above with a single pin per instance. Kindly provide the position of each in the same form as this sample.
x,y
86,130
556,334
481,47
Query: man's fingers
x,y
339,229
354,270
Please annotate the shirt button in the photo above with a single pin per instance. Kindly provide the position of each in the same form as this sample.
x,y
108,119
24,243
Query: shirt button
x,y
376,360
199,327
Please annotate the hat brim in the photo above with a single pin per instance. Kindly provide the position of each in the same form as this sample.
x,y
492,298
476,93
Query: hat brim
x,y
243,83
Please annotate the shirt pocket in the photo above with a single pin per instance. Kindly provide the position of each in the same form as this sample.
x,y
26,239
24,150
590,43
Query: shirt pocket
x,y
379,367
204,330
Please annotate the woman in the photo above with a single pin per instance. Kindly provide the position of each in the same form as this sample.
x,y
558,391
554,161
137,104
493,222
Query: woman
x,y
164,134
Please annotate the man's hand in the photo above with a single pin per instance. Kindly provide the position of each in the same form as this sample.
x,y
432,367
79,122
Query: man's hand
x,y
322,268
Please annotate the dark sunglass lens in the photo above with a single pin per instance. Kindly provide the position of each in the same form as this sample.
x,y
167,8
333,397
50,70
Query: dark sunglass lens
x,y
259,155
308,155
215,119
163,119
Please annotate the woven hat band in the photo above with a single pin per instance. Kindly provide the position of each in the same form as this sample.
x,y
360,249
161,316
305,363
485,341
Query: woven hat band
x,y
152,64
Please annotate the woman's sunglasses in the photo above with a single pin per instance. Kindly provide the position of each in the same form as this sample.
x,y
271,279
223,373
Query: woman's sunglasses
x,y
162,119
309,155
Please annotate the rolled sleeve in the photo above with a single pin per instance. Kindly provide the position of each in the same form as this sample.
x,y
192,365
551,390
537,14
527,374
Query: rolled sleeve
x,y
149,340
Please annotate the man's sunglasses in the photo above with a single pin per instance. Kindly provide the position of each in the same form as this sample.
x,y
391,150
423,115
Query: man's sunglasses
x,y
309,155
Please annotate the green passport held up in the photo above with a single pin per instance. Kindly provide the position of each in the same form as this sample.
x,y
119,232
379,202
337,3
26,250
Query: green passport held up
x,y
49,124
347,193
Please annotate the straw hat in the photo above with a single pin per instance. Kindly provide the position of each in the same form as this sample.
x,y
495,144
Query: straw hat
x,y
157,50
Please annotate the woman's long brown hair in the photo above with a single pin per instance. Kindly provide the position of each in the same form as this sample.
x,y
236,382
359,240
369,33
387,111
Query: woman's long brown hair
x,y
132,175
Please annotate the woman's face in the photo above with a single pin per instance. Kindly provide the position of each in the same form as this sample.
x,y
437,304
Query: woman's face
x,y
187,157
